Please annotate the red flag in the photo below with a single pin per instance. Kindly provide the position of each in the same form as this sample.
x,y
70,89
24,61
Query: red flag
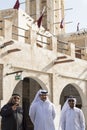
x,y
62,23
78,26
40,18
17,4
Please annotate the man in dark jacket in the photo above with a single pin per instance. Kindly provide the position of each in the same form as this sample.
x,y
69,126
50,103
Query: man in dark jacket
x,y
12,114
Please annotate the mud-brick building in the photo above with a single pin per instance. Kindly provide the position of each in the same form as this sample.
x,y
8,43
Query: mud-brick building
x,y
32,58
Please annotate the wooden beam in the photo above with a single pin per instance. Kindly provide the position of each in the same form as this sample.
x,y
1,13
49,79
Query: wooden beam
x,y
19,35
61,57
62,49
58,62
6,44
19,27
14,72
63,42
43,42
13,50
43,35
39,45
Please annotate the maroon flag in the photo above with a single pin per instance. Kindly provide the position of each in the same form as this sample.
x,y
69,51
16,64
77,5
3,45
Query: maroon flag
x,y
39,21
78,26
17,4
62,23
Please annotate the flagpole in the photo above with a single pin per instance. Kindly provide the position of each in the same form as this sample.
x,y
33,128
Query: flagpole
x,y
68,22
64,9
68,9
65,22
22,2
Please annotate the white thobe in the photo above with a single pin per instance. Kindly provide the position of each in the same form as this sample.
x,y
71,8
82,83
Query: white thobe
x,y
42,115
73,119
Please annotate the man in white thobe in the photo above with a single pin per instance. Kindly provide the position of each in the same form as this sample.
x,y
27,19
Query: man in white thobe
x,y
72,118
42,112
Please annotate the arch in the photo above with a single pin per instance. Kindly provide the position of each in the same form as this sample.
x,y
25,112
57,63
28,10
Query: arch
x,y
72,89
83,98
39,81
28,88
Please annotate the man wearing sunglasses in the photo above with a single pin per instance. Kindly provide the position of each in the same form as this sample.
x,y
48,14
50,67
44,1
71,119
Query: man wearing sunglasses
x,y
72,118
12,114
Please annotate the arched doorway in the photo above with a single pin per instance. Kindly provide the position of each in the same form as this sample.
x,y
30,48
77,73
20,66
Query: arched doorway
x,y
70,90
30,87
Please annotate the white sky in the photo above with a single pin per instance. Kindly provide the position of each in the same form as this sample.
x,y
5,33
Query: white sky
x,y
77,14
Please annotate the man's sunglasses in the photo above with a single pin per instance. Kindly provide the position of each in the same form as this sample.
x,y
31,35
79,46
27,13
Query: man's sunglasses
x,y
70,100
16,98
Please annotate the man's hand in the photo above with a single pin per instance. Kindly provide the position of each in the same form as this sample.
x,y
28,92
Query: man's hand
x,y
14,107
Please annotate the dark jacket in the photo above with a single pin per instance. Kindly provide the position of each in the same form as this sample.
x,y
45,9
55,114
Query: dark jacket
x,y
11,120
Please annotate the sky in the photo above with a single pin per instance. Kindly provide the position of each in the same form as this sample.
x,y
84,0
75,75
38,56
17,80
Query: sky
x,y
76,14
